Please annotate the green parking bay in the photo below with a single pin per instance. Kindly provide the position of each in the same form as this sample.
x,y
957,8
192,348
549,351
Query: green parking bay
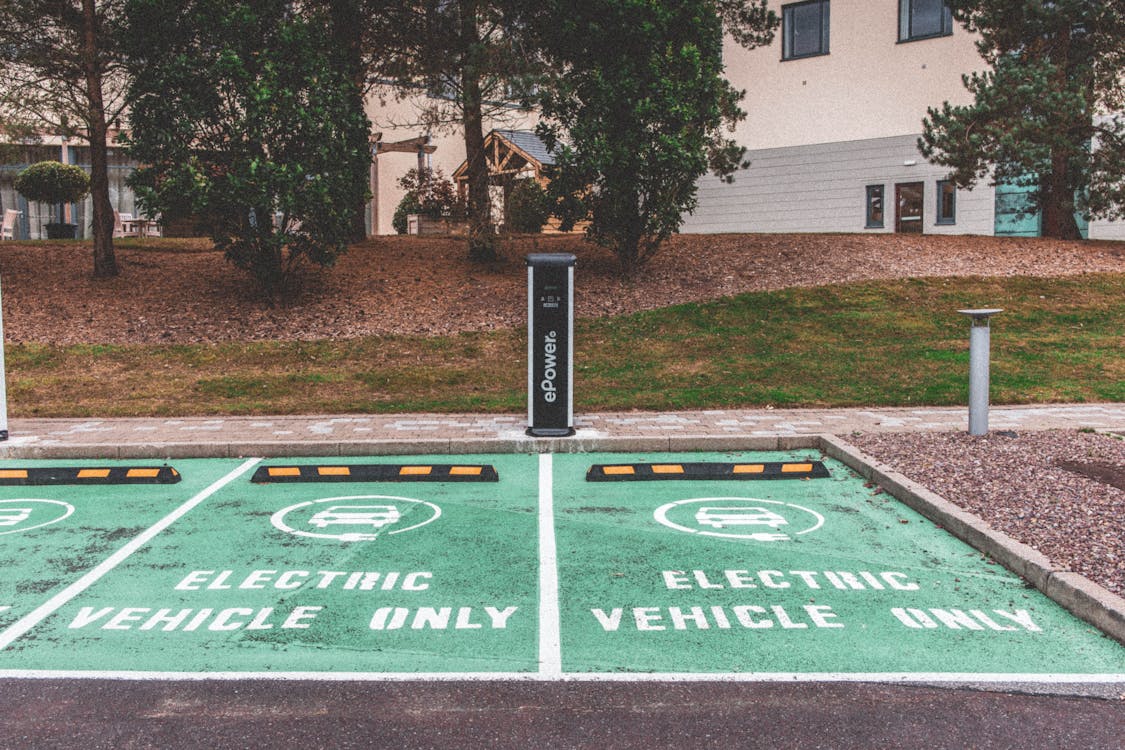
x,y
790,577
50,535
285,577
432,566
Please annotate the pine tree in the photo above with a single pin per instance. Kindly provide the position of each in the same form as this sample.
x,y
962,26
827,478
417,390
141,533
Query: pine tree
x,y
1047,114
473,58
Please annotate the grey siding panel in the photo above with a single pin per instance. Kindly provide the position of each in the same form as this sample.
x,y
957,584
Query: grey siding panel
x,y
1107,230
821,188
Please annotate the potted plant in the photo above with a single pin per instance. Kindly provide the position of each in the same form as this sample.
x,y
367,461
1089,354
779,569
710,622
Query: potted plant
x,y
54,183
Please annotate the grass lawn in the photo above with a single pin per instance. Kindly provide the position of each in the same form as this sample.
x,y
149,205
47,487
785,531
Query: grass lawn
x,y
871,344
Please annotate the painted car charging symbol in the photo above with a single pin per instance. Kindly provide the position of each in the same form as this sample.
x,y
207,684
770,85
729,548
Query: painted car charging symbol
x,y
13,516
375,516
721,518
739,518
346,520
24,514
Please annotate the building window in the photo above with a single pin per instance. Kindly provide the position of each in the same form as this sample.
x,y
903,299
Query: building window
x,y
946,202
804,29
923,19
874,207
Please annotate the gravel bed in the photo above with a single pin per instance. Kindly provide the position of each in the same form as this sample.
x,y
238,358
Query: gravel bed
x,y
1018,484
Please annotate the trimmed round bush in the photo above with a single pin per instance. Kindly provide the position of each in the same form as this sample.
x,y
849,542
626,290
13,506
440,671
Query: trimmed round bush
x,y
53,182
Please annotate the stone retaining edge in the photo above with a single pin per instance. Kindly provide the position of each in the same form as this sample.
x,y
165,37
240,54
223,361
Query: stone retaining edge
x,y
388,447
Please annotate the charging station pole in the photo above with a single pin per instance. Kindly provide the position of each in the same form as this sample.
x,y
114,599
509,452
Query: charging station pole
x,y
550,344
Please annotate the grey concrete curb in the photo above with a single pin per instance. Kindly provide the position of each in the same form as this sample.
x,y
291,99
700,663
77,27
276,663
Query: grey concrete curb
x,y
1085,599
581,443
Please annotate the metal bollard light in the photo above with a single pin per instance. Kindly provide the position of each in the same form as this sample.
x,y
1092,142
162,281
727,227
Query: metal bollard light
x,y
980,339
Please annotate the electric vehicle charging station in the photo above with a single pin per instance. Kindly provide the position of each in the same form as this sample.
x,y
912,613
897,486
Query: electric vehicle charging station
x,y
550,344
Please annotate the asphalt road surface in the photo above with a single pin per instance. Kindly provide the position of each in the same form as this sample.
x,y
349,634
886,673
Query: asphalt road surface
x,y
93,714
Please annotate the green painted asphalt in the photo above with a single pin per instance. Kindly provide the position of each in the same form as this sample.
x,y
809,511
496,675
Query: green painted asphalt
x,y
51,535
231,587
540,574
849,581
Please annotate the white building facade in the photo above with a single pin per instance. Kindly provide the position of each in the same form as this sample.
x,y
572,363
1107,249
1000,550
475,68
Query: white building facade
x,y
33,216
834,112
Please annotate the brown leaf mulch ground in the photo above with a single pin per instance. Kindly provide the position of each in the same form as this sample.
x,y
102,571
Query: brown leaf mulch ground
x,y
177,292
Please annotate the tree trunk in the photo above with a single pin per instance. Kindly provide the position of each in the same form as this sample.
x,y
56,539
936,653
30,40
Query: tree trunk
x,y
1056,189
105,263
482,242
347,33
1057,202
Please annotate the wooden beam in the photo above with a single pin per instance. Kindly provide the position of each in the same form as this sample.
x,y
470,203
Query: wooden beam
x,y
421,144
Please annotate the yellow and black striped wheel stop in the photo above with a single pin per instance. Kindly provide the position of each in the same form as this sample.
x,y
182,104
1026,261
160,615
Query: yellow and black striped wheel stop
x,y
378,473
89,475
706,471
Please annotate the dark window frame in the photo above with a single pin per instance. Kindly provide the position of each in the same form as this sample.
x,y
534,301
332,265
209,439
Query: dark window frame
x,y
787,29
870,221
942,218
906,32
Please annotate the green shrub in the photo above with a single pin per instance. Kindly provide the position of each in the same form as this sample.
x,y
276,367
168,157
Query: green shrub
x,y
527,208
408,205
53,183
428,193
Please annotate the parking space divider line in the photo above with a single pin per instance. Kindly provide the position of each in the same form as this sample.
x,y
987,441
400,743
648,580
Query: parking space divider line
x,y
550,630
59,600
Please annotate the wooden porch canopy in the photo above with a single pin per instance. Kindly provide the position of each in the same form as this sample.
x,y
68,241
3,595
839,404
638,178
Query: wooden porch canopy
x,y
420,145
511,154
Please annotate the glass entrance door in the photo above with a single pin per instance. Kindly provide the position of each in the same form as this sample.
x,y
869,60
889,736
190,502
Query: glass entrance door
x,y
908,202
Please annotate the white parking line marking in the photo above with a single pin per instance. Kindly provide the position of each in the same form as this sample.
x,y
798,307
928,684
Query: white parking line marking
x,y
550,631
40,613
1000,678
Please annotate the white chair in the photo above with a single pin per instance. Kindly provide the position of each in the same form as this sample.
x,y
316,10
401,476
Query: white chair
x,y
123,225
8,228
